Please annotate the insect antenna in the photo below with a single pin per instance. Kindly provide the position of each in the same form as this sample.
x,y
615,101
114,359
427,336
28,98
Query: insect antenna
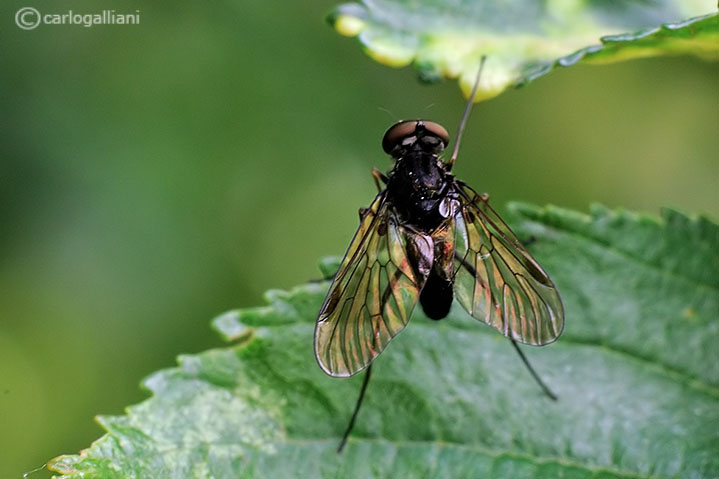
x,y
465,116
534,374
389,112
350,426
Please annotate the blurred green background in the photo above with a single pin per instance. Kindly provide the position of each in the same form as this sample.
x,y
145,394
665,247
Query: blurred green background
x,y
154,176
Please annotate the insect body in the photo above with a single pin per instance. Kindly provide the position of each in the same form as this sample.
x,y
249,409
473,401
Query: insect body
x,y
420,190
429,238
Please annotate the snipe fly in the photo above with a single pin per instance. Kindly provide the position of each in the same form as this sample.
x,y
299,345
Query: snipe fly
x,y
429,237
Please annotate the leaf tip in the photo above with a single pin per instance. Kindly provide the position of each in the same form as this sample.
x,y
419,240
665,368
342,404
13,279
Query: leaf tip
x,y
348,19
230,325
348,26
63,464
523,209
329,266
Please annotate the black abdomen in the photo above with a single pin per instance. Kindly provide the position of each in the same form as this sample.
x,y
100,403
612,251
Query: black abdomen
x,y
436,297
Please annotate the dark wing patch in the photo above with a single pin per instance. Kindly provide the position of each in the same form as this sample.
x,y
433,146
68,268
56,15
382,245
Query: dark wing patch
x,y
372,296
496,279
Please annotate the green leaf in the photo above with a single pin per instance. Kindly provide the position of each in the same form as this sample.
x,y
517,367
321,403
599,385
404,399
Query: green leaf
x,y
636,372
524,39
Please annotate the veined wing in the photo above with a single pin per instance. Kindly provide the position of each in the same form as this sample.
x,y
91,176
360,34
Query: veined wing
x,y
496,279
373,294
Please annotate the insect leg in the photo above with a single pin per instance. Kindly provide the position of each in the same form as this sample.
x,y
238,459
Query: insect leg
x,y
385,296
541,384
351,424
378,176
465,116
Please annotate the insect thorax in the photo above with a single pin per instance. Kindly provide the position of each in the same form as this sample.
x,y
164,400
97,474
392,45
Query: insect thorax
x,y
417,185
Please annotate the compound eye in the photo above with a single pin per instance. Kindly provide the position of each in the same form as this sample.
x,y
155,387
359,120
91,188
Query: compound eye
x,y
397,133
437,130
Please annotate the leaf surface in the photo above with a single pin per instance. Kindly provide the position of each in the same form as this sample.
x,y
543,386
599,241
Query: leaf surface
x,y
524,39
636,372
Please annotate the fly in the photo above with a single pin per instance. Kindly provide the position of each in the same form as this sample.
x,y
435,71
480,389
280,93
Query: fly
x,y
427,237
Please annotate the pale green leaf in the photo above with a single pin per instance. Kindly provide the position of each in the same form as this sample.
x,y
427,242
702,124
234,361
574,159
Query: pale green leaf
x,y
524,39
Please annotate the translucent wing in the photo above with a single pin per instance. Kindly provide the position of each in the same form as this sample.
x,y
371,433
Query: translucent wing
x,y
496,279
373,294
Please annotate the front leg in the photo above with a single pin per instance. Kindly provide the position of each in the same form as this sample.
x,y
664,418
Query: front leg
x,y
379,176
